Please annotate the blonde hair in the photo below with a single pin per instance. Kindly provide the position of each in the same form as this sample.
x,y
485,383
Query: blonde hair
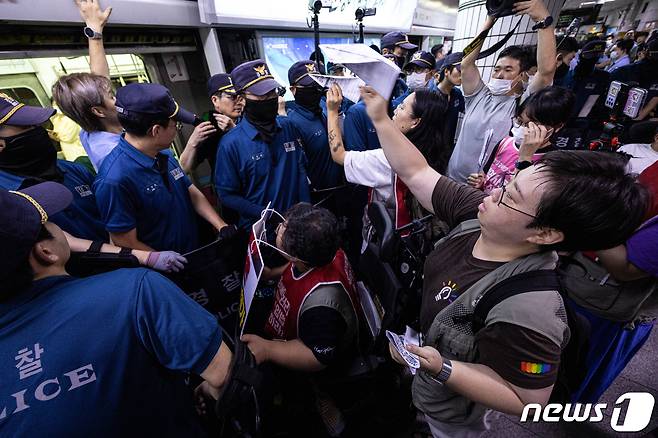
x,y
77,93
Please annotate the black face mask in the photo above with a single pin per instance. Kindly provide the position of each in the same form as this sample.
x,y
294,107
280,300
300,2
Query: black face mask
x,y
262,114
309,98
400,60
31,154
561,71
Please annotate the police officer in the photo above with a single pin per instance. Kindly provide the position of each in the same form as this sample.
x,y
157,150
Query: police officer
x,y
27,156
644,73
397,43
448,78
103,356
420,70
590,81
307,115
145,198
262,160
227,109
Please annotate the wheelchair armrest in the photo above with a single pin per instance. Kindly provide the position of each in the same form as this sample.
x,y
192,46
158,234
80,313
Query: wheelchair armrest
x,y
383,224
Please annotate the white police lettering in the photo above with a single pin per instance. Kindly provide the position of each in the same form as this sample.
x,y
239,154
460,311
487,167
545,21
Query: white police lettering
x,y
200,297
29,361
81,376
228,311
177,173
83,190
49,389
289,146
231,281
562,142
638,412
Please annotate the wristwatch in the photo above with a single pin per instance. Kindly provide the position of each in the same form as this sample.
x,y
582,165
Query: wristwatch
x,y
520,165
543,24
92,34
443,375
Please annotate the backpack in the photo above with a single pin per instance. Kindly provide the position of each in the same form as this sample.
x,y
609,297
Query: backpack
x,y
573,358
592,287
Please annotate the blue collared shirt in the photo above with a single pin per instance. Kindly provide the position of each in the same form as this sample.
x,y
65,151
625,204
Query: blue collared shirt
x,y
96,353
131,193
98,145
250,172
358,130
81,218
322,171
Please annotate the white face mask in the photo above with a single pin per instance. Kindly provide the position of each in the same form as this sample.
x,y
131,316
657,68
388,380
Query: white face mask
x,y
416,80
614,54
499,86
518,132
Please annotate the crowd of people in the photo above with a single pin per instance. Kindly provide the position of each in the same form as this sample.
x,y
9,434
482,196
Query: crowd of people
x,y
513,199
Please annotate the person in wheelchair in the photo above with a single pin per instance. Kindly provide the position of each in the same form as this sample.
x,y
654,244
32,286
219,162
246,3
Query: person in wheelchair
x,y
314,324
316,311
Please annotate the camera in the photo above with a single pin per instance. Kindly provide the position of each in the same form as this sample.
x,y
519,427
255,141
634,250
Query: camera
x,y
367,12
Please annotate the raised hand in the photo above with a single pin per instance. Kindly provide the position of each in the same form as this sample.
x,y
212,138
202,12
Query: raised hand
x,y
93,16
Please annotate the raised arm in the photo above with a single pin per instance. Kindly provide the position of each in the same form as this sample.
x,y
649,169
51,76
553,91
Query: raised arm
x,y
95,18
546,49
336,147
470,73
405,159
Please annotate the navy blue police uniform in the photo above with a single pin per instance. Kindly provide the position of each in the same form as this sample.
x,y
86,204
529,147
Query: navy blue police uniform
x,y
137,191
252,171
81,218
323,172
136,336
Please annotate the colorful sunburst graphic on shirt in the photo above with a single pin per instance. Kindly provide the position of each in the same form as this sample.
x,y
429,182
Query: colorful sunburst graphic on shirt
x,y
448,292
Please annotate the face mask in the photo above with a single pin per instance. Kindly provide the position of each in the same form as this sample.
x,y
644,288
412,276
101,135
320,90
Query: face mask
x,y
399,60
518,132
499,86
416,80
309,98
614,55
31,154
262,114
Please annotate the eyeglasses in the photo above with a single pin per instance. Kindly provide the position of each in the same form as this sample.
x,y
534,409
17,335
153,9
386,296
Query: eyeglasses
x,y
503,190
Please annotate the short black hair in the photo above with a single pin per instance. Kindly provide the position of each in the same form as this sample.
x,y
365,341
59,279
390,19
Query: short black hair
x,y
21,278
523,54
311,234
436,49
442,73
590,198
566,45
140,127
625,45
550,106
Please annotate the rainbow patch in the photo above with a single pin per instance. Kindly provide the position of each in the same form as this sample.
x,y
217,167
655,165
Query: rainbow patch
x,y
535,368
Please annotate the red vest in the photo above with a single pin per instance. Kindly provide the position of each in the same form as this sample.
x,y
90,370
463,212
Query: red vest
x,y
291,292
402,213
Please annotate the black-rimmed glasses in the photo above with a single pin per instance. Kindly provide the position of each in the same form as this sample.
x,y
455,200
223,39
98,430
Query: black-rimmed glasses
x,y
503,190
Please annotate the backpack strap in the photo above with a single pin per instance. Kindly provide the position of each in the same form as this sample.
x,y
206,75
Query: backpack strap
x,y
531,281
466,227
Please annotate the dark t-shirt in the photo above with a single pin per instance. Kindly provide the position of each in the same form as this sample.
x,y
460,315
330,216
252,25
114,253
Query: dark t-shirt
x,y
517,354
322,329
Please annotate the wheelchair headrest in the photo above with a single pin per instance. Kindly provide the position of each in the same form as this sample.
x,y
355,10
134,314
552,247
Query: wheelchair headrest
x,y
383,225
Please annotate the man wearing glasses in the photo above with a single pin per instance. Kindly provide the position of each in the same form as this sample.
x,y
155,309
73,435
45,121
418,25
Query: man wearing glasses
x,y
559,203
145,199
262,160
227,109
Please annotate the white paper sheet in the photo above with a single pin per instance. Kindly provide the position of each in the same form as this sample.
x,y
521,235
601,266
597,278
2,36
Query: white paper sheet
x,y
365,63
349,85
